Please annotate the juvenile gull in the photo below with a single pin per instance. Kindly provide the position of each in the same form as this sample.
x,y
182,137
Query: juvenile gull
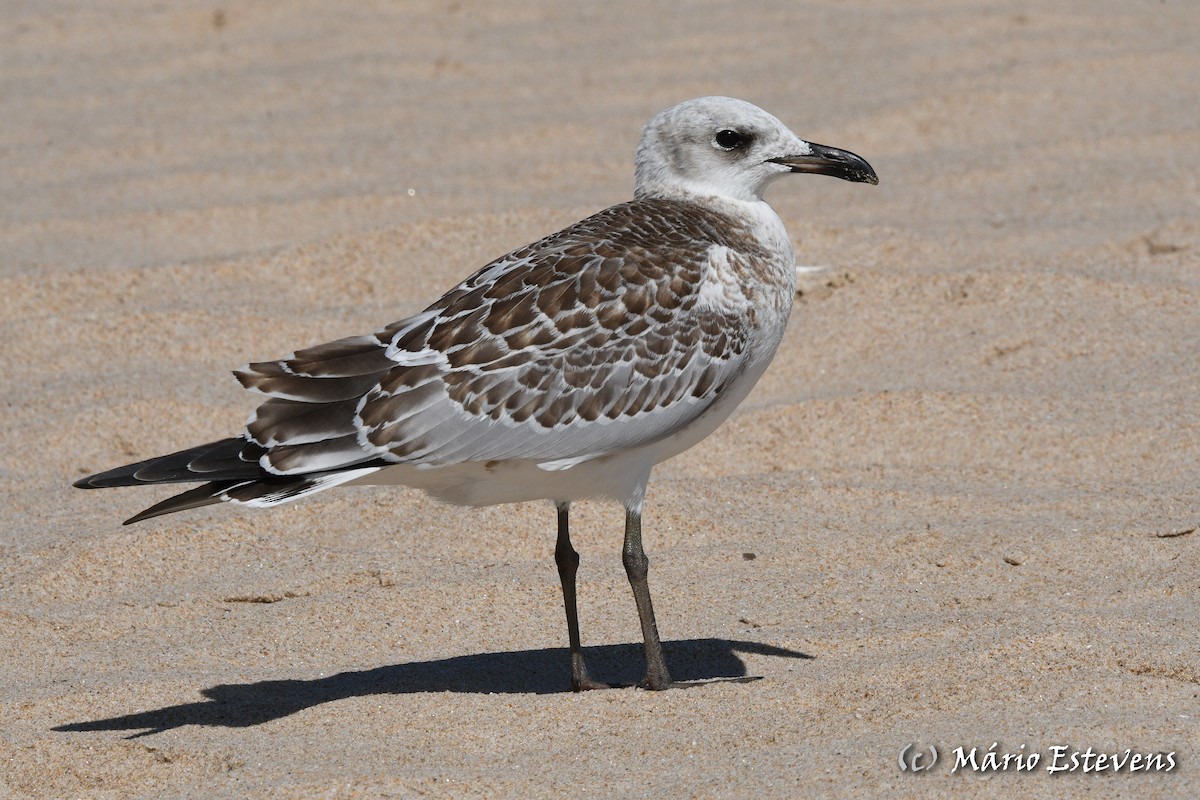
x,y
564,370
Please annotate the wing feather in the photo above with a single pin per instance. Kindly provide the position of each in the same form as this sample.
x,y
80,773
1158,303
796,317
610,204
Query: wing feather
x,y
588,341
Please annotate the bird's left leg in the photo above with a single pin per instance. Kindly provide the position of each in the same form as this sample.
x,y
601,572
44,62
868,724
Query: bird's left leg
x,y
567,561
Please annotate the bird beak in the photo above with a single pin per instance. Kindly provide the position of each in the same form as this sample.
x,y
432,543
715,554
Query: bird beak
x,y
830,161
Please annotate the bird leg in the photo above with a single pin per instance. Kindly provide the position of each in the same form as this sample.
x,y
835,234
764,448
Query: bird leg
x,y
637,566
567,561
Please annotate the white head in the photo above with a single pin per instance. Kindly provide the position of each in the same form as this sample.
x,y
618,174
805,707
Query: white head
x,y
722,147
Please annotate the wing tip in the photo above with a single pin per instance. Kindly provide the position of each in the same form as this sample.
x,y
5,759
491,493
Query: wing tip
x,y
110,478
196,497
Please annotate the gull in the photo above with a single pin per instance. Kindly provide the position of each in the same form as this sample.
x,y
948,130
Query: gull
x,y
564,370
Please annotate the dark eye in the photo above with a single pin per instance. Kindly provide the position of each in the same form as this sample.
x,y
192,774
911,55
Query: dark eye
x,y
729,140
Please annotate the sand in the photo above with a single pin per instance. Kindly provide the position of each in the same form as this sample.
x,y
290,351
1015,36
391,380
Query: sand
x,y
961,508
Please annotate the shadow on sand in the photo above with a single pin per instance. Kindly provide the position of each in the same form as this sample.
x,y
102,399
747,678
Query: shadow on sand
x,y
517,672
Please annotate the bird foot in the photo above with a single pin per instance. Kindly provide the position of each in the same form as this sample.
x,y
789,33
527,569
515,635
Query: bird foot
x,y
586,684
657,683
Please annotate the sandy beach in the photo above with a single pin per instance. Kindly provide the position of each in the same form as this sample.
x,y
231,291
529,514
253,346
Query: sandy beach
x,y
961,508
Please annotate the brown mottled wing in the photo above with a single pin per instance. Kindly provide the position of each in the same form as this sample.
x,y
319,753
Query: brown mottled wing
x,y
592,340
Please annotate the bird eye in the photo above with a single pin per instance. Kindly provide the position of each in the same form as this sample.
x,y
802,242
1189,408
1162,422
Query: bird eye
x,y
728,140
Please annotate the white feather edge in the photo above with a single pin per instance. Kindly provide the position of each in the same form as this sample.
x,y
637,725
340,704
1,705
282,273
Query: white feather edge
x,y
319,484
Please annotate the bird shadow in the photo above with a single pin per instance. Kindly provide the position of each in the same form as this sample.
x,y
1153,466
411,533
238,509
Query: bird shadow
x,y
545,671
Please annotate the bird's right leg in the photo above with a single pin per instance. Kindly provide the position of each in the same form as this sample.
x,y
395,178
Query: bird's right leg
x,y
567,561
637,567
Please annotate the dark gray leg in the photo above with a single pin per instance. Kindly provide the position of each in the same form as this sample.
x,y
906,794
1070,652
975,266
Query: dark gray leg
x,y
568,562
637,566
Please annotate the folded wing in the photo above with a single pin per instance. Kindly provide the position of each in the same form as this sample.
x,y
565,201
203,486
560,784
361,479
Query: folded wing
x,y
592,340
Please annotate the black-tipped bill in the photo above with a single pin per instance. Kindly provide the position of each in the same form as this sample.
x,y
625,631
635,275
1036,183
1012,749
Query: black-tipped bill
x,y
830,161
